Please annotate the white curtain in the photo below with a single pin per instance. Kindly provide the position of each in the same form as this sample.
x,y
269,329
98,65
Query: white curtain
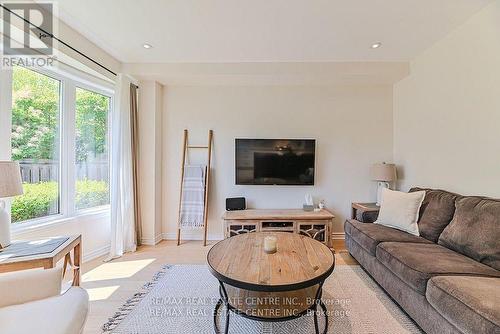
x,y
122,194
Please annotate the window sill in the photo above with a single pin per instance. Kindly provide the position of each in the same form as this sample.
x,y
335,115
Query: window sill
x,y
49,222
100,210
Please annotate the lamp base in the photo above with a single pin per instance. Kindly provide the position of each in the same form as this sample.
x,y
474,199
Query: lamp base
x,y
381,185
4,226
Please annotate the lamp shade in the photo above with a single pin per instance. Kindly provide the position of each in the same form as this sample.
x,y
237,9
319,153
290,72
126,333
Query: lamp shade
x,y
10,179
383,172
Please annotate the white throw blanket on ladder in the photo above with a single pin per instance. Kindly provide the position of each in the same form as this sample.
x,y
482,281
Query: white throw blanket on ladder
x,y
193,197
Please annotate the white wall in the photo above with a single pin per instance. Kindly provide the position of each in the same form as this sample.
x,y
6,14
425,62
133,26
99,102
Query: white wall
x,y
447,112
352,126
94,228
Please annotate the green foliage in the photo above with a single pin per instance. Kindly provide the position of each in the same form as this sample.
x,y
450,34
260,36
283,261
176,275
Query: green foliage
x,y
35,202
35,118
39,197
35,136
91,193
91,124
35,115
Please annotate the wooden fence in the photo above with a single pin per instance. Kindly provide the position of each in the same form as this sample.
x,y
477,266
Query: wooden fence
x,y
48,170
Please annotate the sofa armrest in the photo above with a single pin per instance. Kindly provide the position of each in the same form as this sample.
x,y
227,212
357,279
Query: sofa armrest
x,y
63,314
369,216
20,287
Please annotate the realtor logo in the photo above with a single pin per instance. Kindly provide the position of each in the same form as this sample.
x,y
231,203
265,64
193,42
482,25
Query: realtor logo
x,y
28,29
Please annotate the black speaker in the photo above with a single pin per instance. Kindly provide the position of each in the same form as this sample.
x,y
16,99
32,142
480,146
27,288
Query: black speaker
x,y
235,203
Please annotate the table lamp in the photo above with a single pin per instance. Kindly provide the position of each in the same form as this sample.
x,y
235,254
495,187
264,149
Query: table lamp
x,y
384,174
10,186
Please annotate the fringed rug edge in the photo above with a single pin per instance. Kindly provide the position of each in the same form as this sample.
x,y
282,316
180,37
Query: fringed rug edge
x,y
132,302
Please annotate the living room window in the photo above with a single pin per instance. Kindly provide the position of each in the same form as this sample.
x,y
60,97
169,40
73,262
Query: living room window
x,y
60,136
92,162
35,140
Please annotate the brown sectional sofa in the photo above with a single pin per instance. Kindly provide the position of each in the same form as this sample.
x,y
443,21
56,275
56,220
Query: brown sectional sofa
x,y
448,278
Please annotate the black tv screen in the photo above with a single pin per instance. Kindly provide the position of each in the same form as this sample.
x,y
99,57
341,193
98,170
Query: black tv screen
x,y
275,161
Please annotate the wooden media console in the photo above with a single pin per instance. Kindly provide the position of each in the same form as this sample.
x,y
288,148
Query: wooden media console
x,y
315,224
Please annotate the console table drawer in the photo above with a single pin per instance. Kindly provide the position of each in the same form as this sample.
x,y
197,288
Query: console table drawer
x,y
277,226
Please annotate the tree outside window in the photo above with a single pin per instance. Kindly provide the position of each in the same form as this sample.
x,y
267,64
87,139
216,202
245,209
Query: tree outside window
x,y
92,167
36,142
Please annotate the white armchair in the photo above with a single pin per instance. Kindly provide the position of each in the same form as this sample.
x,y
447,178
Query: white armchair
x,y
31,302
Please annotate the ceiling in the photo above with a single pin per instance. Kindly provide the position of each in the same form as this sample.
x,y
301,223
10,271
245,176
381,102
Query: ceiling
x,y
310,73
226,31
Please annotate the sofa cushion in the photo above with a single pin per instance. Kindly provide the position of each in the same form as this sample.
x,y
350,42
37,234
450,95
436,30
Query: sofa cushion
x,y
370,235
470,303
416,263
63,314
475,230
436,212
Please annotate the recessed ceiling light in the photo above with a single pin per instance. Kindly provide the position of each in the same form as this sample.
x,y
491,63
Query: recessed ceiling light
x,y
376,45
147,46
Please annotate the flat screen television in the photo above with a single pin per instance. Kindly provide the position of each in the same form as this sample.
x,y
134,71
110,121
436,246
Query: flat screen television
x,y
275,161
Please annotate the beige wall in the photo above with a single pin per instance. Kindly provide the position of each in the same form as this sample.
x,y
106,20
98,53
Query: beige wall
x,y
82,44
352,126
447,112
150,144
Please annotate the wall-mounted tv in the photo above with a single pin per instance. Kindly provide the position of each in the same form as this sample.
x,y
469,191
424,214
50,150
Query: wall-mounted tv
x,y
275,161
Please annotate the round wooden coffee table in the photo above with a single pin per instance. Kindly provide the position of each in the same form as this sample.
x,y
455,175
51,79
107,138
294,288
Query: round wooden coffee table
x,y
271,287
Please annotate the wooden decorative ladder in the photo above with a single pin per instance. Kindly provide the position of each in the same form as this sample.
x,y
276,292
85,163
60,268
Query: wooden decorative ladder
x,y
185,154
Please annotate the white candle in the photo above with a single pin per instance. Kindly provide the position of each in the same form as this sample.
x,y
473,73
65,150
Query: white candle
x,y
270,246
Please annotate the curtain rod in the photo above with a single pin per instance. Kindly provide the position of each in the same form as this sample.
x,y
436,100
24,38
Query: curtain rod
x,y
60,41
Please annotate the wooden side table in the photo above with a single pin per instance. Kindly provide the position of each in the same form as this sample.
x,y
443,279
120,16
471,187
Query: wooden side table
x,y
365,212
45,253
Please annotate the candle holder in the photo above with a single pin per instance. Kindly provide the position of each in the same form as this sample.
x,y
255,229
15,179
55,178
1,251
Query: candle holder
x,y
270,245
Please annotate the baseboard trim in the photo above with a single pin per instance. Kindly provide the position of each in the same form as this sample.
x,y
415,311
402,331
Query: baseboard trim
x,y
338,236
199,236
151,241
89,256
189,235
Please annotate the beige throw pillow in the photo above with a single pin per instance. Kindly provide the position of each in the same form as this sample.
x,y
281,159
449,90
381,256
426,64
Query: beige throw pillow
x,y
400,210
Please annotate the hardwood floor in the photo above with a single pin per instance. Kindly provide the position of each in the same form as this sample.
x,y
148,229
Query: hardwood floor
x,y
110,284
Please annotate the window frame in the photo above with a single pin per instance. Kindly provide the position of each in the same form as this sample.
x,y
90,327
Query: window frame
x,y
70,79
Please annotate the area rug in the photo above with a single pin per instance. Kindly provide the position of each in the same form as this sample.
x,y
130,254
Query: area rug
x,y
181,299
